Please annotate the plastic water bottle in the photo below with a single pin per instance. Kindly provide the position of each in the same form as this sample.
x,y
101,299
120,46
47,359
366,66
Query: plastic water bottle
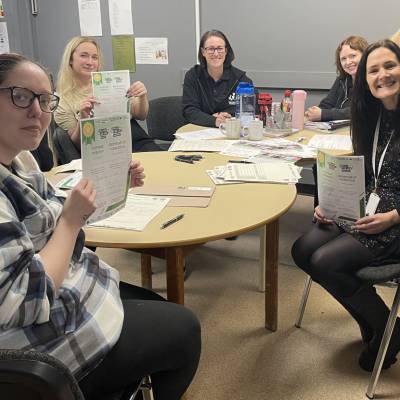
x,y
265,105
245,103
286,104
299,100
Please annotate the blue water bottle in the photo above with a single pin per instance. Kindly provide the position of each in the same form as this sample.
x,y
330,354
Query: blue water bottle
x,y
245,103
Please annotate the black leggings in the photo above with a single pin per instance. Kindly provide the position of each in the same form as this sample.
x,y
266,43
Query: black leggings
x,y
331,257
158,338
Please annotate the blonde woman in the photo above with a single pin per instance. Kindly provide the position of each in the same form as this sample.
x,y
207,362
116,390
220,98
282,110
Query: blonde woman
x,y
82,56
396,38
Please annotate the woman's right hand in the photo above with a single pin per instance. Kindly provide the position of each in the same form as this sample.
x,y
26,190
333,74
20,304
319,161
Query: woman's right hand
x,y
86,107
80,204
221,118
320,217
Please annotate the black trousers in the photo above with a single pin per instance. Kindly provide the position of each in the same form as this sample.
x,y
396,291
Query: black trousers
x,y
141,141
158,338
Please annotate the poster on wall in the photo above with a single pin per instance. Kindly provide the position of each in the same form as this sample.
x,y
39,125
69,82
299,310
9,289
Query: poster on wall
x,y
151,50
120,13
123,49
90,17
1,9
4,44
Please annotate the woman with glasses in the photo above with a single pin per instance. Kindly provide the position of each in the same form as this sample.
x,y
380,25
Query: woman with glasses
x,y
209,88
82,56
336,105
57,296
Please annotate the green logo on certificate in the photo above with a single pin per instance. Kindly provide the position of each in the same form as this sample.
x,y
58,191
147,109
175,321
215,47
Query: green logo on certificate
x,y
88,132
321,159
97,79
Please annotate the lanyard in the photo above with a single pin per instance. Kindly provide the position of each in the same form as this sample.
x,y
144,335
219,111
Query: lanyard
x,y
374,148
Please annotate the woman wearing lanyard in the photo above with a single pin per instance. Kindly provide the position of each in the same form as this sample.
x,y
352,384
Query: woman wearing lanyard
x,y
372,240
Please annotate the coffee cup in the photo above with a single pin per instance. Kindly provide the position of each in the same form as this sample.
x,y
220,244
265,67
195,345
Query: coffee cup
x,y
231,128
255,130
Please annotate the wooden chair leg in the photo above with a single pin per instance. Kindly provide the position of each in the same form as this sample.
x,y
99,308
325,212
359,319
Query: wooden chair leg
x,y
147,281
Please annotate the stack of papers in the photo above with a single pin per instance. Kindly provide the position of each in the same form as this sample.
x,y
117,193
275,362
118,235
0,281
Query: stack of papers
x,y
199,145
331,142
328,125
210,133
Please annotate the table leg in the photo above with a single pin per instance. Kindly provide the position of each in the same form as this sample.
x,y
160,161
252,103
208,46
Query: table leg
x,y
145,263
271,274
175,286
261,282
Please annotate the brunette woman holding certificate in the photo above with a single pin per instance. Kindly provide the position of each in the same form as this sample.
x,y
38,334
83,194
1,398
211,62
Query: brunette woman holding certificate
x,y
331,253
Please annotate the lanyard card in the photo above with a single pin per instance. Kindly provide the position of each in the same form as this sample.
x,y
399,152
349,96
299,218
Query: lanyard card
x,y
372,204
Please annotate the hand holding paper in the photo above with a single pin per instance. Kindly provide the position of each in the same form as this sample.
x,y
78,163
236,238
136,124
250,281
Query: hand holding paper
x,y
137,173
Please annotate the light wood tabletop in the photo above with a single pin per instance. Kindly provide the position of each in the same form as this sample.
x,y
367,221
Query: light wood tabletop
x,y
233,210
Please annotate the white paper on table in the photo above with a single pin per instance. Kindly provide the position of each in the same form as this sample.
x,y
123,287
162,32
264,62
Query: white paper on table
x,y
139,210
69,181
120,14
331,142
90,17
217,175
106,148
265,172
151,50
199,145
240,148
4,43
74,165
341,186
109,88
209,133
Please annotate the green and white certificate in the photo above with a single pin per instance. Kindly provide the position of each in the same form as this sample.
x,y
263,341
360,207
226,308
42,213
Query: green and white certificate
x,y
341,186
106,150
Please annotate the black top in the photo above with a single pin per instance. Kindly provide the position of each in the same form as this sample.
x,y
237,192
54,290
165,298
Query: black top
x,y
43,155
336,105
202,96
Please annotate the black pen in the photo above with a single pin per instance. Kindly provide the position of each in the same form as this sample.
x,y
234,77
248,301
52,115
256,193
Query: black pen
x,y
240,162
172,221
184,160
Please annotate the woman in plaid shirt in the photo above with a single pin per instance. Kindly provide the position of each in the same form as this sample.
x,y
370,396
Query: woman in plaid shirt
x,y
56,296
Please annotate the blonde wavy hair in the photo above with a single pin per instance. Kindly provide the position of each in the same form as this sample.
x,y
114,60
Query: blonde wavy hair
x,y
65,81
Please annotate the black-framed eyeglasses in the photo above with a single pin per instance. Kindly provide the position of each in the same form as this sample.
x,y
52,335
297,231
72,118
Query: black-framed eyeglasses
x,y
212,50
23,98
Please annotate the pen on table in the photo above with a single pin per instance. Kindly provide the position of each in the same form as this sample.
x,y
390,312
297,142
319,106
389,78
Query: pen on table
x,y
300,139
172,221
240,162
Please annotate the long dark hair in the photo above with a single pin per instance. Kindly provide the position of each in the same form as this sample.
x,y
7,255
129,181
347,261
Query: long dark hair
x,y
230,55
365,108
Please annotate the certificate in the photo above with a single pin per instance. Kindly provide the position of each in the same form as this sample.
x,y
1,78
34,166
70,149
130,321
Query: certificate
x,y
106,154
341,187
109,89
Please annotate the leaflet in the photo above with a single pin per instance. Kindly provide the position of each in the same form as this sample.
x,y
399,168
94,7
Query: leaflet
x,y
341,186
109,89
331,142
106,155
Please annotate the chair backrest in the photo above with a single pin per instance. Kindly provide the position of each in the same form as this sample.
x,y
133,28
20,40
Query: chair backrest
x,y
165,117
65,149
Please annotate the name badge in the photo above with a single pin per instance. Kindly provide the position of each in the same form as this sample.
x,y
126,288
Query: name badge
x,y
372,204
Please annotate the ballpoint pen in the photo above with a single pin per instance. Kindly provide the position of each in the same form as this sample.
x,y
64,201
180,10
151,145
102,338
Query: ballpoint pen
x,y
184,160
240,162
172,221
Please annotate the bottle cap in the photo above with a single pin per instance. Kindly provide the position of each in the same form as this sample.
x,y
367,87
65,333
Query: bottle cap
x,y
288,92
244,88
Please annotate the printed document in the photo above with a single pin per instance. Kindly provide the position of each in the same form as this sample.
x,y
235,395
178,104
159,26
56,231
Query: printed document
x,y
109,89
331,142
137,213
199,145
106,154
341,186
209,133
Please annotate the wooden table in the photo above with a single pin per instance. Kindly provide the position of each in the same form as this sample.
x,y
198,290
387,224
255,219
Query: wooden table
x,y
233,210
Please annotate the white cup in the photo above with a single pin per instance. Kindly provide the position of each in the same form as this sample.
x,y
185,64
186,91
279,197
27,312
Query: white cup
x,y
231,128
255,130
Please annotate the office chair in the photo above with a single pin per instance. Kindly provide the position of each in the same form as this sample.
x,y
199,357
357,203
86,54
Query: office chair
x,y
370,275
28,374
164,118
64,148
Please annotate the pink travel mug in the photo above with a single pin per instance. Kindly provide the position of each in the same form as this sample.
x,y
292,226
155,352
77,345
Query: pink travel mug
x,y
299,100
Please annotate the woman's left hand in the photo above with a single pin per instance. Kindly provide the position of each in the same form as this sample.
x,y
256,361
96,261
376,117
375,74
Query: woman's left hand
x,y
377,223
313,114
137,173
137,89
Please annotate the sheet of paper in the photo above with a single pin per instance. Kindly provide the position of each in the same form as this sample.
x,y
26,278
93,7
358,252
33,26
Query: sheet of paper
x,y
120,13
74,165
205,134
1,9
109,88
199,145
151,50
123,50
341,186
4,43
331,142
106,154
217,175
69,181
90,17
137,213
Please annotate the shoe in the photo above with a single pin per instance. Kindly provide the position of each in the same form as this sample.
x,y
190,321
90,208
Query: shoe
x,y
231,238
367,360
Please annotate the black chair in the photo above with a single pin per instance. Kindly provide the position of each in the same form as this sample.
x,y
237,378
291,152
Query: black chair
x,y
164,118
38,376
64,147
389,274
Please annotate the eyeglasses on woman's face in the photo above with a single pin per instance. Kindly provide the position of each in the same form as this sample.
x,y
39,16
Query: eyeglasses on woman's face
x,y
23,98
211,50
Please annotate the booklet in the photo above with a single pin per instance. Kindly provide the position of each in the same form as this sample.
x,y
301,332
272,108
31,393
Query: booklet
x,y
328,125
341,187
